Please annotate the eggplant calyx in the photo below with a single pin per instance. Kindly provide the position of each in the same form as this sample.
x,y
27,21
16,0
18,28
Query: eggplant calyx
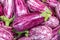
x,y
6,20
46,14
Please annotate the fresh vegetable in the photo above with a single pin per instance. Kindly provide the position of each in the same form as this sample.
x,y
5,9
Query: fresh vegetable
x,y
8,8
21,8
52,22
41,33
27,21
35,5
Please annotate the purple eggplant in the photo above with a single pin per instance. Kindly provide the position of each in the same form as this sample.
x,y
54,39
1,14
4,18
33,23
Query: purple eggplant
x,y
5,34
21,8
1,9
53,22
28,21
41,33
36,5
8,8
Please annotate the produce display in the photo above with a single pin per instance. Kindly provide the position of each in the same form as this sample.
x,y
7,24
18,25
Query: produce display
x,y
29,20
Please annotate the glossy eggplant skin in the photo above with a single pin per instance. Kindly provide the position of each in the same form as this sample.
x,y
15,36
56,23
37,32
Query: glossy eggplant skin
x,y
8,8
36,5
27,21
21,7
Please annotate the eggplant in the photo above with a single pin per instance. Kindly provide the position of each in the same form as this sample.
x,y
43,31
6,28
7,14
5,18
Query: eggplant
x,y
43,32
36,5
21,8
53,22
27,21
8,8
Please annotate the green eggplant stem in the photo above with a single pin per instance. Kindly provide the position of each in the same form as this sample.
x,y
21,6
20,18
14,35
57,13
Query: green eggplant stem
x,y
6,20
26,33
46,14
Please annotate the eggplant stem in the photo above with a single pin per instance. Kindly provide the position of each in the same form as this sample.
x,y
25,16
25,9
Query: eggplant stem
x,y
6,20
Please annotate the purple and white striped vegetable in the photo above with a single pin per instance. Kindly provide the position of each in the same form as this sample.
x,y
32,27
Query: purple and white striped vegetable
x,y
53,22
29,20
8,8
41,33
36,5
21,8
25,22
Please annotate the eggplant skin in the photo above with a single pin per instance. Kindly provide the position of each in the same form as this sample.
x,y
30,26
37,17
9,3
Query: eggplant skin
x,y
21,8
36,5
5,34
27,21
41,33
53,22
8,8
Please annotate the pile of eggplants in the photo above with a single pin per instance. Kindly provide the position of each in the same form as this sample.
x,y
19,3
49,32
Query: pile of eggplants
x,y
29,20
